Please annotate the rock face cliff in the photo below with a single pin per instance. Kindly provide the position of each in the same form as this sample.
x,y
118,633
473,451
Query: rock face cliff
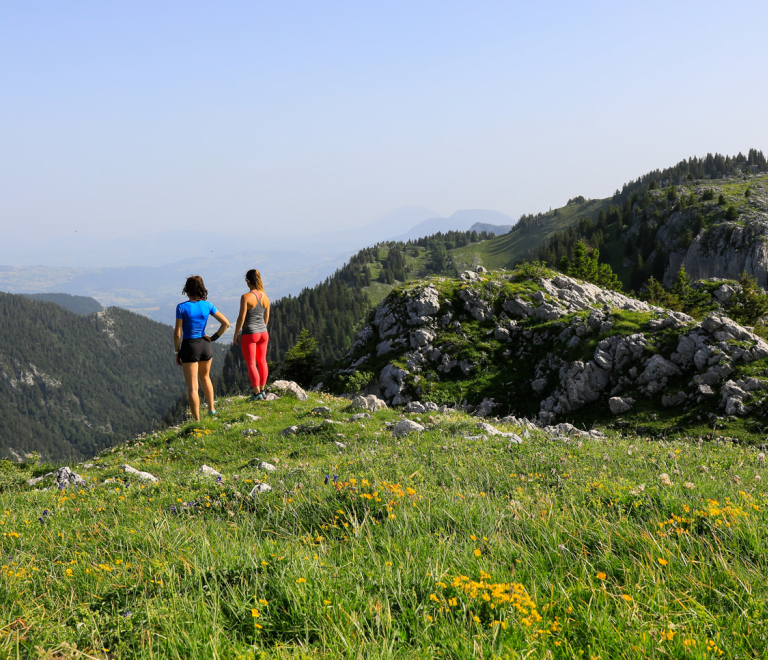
x,y
539,344
715,229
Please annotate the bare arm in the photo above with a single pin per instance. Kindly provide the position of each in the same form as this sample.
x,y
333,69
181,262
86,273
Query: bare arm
x,y
224,324
265,302
177,340
240,319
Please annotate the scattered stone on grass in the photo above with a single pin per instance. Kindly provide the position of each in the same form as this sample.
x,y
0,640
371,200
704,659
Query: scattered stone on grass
x,y
289,387
37,480
209,471
371,403
259,488
406,426
321,410
485,408
65,477
268,467
144,476
492,430
517,421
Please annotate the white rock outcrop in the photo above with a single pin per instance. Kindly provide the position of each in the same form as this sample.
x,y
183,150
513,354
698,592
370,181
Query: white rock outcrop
x,y
425,338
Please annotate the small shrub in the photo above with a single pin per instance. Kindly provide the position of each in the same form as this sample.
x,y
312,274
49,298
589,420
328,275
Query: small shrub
x,y
354,382
750,303
708,195
530,270
302,362
731,213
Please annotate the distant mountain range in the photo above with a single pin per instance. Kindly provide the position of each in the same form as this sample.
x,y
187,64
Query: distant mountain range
x,y
152,286
459,221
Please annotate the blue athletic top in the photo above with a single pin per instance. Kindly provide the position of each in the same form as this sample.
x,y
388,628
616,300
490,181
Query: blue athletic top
x,y
194,316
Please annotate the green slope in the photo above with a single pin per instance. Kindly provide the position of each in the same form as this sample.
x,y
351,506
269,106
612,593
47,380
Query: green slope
x,y
439,544
505,250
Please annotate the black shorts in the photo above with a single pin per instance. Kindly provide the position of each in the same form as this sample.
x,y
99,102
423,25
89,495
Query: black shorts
x,y
196,350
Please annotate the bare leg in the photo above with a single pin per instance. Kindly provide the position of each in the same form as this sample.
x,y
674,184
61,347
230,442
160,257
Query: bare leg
x,y
205,381
190,376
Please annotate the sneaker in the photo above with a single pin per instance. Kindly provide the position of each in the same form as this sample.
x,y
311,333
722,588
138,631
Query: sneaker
x,y
254,397
212,413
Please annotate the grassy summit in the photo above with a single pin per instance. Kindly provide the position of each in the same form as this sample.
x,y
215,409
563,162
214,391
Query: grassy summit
x,y
444,543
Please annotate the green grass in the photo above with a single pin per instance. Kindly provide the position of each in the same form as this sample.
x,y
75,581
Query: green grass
x,y
418,549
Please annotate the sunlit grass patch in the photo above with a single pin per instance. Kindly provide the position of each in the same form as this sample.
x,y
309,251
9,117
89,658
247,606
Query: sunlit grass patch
x,y
431,545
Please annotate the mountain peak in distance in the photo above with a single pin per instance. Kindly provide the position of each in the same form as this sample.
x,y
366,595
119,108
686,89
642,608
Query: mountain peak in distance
x,y
462,220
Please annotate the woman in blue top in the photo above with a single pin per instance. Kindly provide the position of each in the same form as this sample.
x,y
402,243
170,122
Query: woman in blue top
x,y
195,352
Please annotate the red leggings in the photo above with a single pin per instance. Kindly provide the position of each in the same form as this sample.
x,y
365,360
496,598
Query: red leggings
x,y
254,348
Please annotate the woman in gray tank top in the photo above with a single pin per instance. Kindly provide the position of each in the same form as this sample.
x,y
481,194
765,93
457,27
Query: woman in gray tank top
x,y
251,332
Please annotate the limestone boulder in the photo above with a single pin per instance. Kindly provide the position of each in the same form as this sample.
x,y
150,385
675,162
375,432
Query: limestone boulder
x,y
289,387
406,426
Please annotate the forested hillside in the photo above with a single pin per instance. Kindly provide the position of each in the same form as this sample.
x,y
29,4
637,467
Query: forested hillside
x,y
713,228
71,385
78,304
635,212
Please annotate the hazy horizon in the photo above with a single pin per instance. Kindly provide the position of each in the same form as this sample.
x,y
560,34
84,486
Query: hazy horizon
x,y
277,120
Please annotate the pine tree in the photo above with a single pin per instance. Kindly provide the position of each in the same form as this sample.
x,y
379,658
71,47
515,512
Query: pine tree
x,y
750,304
586,266
638,274
302,361
656,294
692,301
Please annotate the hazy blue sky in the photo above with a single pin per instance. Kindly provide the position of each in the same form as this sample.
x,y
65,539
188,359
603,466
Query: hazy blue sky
x,y
123,117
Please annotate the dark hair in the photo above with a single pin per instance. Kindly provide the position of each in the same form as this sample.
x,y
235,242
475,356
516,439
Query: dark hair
x,y
253,277
194,288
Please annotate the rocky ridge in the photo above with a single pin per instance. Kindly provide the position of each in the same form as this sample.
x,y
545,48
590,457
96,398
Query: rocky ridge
x,y
544,345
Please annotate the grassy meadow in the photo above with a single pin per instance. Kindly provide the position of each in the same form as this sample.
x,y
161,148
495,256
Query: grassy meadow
x,y
442,544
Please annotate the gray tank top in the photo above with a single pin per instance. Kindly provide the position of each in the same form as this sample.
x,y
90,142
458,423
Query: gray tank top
x,y
254,319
